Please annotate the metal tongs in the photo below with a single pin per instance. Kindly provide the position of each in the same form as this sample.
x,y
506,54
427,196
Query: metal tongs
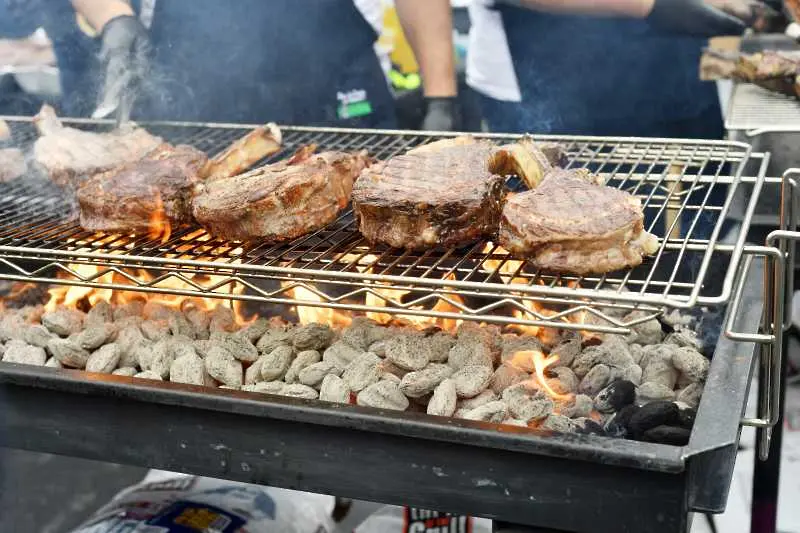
x,y
117,100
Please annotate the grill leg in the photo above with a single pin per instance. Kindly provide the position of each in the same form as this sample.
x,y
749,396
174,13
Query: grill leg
x,y
766,474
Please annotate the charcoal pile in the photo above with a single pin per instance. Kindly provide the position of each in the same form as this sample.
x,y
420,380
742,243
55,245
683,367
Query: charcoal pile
x,y
643,386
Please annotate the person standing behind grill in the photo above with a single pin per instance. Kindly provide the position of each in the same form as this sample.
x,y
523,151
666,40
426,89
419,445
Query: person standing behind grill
x,y
596,67
306,62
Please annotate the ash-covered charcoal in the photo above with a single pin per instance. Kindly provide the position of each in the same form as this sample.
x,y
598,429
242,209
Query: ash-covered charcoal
x,y
53,363
95,336
637,353
300,362
566,351
443,401
595,380
103,360
36,335
274,337
559,423
563,380
313,374
134,308
252,373
147,374
495,411
422,382
512,344
312,337
128,339
128,371
179,346
223,367
678,319
383,395
691,364
487,335
266,387
651,392
154,310
530,407
657,365
676,436
690,395
408,351
222,319
505,376
362,372
63,322
199,320
684,338
363,333
647,332
587,426
274,364
616,396
155,330
68,352
255,330
11,323
179,325
20,352
471,380
297,390
237,345
340,354
189,369
576,406
441,343
652,415
159,359
334,389
633,374
468,353
476,401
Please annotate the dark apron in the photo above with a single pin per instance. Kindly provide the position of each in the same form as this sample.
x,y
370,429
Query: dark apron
x,y
255,61
608,76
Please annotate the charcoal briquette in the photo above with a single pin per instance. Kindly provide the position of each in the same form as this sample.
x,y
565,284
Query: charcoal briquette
x,y
675,436
104,359
22,353
652,415
312,337
615,396
63,322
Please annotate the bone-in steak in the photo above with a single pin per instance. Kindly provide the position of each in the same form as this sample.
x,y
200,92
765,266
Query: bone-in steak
x,y
69,155
449,192
281,201
572,224
127,198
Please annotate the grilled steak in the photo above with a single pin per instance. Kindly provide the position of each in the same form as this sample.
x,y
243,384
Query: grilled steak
x,y
130,197
572,224
12,164
245,152
773,70
281,201
70,155
448,192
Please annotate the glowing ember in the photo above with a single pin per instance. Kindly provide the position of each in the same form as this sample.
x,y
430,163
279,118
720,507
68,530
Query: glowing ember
x,y
159,226
320,315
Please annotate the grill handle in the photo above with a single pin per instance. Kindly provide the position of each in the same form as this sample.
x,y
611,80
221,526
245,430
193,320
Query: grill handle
x,y
779,254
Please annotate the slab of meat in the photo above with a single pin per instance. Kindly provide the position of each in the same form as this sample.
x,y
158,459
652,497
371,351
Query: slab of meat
x,y
773,70
449,192
245,152
12,164
573,224
132,196
69,155
281,201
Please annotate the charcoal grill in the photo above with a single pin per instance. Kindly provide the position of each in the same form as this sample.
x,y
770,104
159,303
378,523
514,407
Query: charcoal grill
x,y
564,482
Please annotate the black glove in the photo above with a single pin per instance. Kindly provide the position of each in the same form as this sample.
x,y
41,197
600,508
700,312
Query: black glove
x,y
442,114
125,54
693,17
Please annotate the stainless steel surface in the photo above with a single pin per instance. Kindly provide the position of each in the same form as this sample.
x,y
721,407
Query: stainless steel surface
x,y
678,181
756,111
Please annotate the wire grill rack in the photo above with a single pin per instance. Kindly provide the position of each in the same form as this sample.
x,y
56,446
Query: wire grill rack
x,y
685,187
756,110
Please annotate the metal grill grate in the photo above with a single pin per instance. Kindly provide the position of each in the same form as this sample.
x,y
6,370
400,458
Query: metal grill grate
x,y
685,188
756,110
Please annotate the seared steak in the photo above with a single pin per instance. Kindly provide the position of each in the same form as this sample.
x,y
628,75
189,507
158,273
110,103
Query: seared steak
x,y
448,192
70,155
572,224
130,197
12,164
245,152
281,201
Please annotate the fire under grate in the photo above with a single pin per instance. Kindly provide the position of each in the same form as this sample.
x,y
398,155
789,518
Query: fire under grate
x,y
685,187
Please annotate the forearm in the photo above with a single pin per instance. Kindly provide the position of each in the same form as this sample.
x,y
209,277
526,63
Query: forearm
x,y
428,26
99,12
626,8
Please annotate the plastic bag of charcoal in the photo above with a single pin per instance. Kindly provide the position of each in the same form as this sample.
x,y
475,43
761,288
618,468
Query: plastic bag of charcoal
x,y
644,386
166,502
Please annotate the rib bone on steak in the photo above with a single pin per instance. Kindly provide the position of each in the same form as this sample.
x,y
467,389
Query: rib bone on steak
x,y
449,192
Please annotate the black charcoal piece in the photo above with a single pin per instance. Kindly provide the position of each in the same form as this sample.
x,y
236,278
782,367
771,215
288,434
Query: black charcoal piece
x,y
686,417
668,435
618,426
616,396
652,415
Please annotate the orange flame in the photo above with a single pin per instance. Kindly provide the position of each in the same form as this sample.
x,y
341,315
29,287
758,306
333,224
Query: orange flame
x,y
159,226
540,363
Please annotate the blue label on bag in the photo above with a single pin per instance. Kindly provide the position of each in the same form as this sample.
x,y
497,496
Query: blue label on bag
x,y
191,517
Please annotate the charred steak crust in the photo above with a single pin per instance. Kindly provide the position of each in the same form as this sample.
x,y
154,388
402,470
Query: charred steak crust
x,y
281,201
69,155
447,193
126,198
572,224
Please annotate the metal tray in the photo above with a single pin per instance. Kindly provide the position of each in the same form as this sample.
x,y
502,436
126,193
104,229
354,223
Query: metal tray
x,y
564,482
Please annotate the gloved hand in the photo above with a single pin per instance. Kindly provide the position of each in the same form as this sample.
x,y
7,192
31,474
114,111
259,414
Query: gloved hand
x,y
693,17
442,114
125,54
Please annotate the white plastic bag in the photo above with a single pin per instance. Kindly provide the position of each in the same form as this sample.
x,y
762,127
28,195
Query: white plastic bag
x,y
392,519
